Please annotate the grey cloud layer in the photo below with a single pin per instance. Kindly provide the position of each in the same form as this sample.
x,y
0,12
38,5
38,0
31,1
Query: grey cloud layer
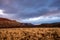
x,y
25,9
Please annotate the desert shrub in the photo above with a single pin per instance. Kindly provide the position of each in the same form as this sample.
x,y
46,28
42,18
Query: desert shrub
x,y
18,34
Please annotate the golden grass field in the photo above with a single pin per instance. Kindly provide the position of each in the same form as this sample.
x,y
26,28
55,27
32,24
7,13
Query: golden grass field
x,y
30,34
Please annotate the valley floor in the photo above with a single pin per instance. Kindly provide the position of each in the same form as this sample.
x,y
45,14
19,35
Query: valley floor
x,y
30,34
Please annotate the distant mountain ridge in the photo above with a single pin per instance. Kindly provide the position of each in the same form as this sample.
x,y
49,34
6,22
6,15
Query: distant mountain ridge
x,y
4,19
56,24
7,23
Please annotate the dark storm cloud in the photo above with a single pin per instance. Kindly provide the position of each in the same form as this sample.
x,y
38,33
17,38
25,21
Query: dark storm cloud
x,y
56,3
25,9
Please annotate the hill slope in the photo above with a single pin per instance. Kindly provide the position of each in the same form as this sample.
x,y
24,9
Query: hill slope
x,y
7,23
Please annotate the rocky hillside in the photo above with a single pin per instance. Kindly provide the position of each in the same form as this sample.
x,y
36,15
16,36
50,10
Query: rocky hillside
x,y
7,23
56,24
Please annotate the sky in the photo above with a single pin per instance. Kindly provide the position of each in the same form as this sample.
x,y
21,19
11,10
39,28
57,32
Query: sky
x,y
31,11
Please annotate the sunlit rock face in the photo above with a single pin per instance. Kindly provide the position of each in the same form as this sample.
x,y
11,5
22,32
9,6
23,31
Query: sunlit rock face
x,y
4,22
7,23
4,19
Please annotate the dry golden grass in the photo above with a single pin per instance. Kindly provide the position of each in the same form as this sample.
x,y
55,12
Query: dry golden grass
x,y
30,34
